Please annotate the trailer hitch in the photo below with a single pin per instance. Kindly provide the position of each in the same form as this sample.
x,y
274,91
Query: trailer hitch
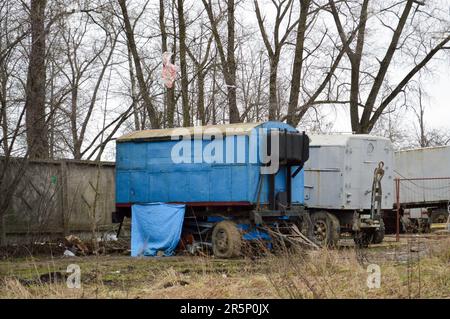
x,y
375,204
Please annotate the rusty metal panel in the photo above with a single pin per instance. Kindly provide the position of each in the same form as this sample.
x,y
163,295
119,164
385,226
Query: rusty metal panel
x,y
339,172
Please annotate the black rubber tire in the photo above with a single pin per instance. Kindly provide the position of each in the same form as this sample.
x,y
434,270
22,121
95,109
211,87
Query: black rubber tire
x,y
326,229
362,239
378,235
226,240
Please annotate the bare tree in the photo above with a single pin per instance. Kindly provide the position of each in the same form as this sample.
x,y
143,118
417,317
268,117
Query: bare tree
x,y
13,30
169,100
37,129
374,105
229,72
284,10
426,137
227,58
308,88
201,65
81,71
183,64
154,118
253,75
298,62
420,113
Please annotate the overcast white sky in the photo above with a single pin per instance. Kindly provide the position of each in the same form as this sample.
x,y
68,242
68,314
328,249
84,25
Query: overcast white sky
x,y
436,83
437,103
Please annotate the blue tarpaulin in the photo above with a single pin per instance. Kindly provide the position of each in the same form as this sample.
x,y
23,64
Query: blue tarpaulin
x,y
155,227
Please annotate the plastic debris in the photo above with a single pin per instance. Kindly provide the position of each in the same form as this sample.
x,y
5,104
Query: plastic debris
x,y
169,71
68,253
110,237
73,242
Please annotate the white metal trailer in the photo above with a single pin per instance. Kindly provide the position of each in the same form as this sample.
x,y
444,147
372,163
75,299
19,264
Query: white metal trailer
x,y
339,181
424,187
340,171
429,172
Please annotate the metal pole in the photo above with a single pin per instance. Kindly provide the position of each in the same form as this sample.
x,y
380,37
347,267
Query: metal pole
x,y
397,194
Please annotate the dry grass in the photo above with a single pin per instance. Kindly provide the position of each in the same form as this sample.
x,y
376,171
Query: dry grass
x,y
340,273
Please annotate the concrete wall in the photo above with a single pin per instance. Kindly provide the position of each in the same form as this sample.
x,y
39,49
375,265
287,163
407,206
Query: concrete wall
x,y
57,198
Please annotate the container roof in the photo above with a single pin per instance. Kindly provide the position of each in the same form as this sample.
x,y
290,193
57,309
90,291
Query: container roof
x,y
421,149
340,139
228,129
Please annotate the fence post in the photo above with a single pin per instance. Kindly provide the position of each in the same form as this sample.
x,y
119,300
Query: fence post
x,y
397,195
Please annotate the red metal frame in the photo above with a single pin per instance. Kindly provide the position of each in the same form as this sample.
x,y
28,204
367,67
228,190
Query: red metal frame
x,y
198,204
397,194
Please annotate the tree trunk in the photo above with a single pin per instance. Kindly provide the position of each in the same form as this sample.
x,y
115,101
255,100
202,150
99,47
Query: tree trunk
x,y
355,61
273,91
36,126
228,61
154,120
231,64
52,123
365,125
356,65
298,63
421,118
201,96
134,99
73,121
169,98
213,96
3,90
354,97
3,113
183,65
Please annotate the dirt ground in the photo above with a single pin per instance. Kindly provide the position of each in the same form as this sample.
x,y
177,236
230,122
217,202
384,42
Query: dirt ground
x,y
416,267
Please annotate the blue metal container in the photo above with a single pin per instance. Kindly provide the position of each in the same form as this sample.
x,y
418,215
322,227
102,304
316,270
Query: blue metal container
x,y
146,171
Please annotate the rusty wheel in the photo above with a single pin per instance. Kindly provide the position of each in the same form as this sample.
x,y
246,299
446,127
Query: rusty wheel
x,y
226,240
362,239
325,229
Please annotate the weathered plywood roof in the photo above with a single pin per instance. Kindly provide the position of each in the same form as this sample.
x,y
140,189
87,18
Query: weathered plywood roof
x,y
225,129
